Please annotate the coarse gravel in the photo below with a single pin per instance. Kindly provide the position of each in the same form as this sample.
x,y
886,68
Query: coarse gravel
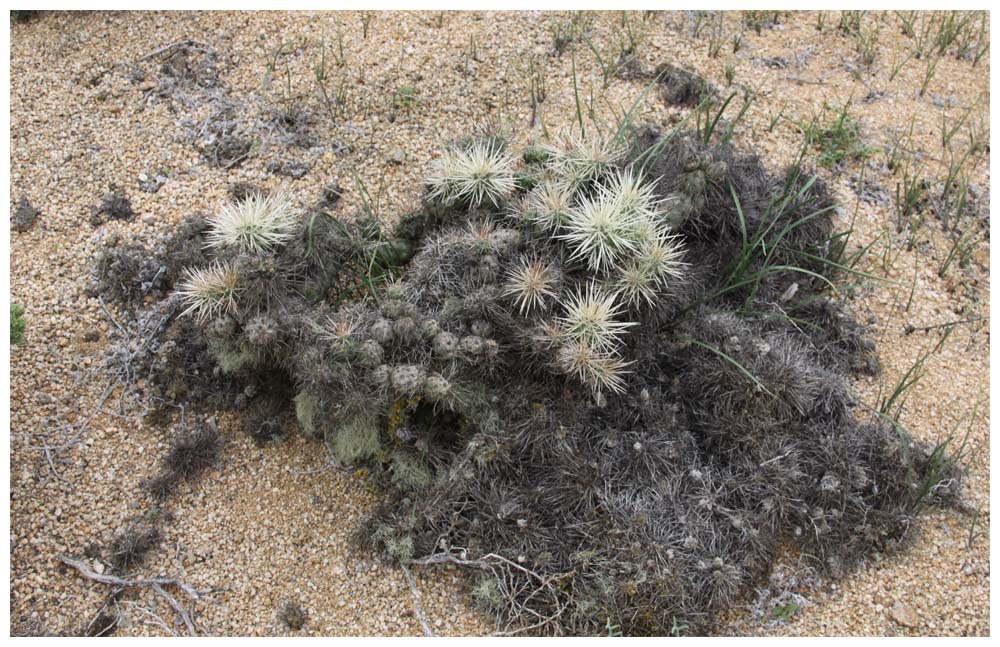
x,y
270,525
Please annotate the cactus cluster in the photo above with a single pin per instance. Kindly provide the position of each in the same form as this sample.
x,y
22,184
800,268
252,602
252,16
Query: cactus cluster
x,y
599,224
568,358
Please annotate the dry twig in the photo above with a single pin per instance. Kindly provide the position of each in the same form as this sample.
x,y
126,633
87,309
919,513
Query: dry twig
x,y
517,595
155,583
416,602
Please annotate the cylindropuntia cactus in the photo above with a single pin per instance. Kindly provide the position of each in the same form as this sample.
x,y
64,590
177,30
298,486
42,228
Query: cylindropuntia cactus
x,y
446,345
370,353
485,376
408,379
472,345
381,331
437,388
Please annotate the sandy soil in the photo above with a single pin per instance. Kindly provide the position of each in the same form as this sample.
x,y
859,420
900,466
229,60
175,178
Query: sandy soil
x,y
270,525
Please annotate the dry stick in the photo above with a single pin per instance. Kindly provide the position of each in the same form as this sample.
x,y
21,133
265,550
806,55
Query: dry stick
x,y
108,314
800,81
416,602
80,429
187,42
156,583
111,599
911,329
48,457
490,563
49,451
157,620
172,601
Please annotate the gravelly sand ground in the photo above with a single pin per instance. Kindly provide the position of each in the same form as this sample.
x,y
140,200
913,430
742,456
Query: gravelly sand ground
x,y
270,525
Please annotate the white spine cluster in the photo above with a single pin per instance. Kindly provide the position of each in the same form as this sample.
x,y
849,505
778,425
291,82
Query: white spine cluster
x,y
581,159
210,291
591,317
530,284
480,173
255,224
606,217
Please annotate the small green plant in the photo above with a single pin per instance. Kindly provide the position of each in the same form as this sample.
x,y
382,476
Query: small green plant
x,y
775,117
730,73
760,250
568,31
470,53
975,534
950,127
907,20
536,89
632,34
982,44
891,406
838,140
757,20
334,97
716,34
898,63
784,612
979,132
405,97
866,42
944,463
929,72
850,22
956,170
961,250
367,17
707,120
291,100
609,66
17,324
951,26
898,151
821,21
911,195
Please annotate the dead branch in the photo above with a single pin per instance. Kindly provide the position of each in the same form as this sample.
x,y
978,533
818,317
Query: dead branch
x,y
157,584
153,617
187,42
416,602
107,313
517,595
909,328
175,605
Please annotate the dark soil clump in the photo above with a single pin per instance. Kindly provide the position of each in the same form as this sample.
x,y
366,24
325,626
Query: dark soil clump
x,y
682,88
115,205
24,216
